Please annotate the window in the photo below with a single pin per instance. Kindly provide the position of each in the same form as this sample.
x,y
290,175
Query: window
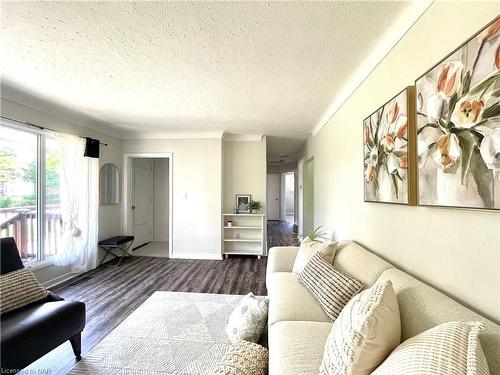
x,y
29,192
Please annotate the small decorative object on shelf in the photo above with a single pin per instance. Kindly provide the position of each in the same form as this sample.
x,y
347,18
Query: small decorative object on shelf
x,y
229,223
236,210
255,207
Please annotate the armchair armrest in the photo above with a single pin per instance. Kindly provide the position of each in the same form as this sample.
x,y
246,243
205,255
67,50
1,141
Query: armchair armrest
x,y
52,297
280,259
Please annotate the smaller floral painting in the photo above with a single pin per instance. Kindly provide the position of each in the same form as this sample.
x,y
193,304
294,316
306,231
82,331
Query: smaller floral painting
x,y
458,126
386,160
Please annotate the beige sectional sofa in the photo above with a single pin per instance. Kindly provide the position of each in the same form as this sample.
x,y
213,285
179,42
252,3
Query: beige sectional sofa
x,y
298,327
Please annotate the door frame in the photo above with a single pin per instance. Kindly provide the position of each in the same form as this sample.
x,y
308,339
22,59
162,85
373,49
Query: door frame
x,y
127,172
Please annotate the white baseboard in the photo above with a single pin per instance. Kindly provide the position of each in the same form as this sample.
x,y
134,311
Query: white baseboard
x,y
59,280
208,256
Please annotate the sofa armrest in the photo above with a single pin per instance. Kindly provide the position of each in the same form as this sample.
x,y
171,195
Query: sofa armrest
x,y
280,259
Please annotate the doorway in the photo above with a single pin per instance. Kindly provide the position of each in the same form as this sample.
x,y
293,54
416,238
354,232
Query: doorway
x,y
308,196
147,203
273,197
288,194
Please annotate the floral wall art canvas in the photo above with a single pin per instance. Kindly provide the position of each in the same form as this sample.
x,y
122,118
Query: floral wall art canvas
x,y
458,126
386,138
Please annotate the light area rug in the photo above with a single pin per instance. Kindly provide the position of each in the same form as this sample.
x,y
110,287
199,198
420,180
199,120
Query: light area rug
x,y
170,333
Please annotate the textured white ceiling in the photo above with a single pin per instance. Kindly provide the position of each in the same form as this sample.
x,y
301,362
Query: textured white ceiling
x,y
181,67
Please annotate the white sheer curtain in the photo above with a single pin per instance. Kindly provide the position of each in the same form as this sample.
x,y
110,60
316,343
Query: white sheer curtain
x,y
79,187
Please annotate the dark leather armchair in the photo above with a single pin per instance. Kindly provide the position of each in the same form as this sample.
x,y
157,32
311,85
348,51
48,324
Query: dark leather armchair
x,y
32,331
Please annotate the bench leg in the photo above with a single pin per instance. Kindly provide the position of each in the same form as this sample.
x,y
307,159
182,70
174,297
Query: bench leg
x,y
76,344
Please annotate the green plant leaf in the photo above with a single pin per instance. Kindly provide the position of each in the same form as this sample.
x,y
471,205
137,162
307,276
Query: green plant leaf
x,y
482,177
491,111
467,142
481,86
429,125
451,106
395,183
495,93
400,154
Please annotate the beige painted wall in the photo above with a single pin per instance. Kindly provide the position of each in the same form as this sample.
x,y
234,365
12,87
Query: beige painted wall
x,y
455,250
244,171
109,216
196,193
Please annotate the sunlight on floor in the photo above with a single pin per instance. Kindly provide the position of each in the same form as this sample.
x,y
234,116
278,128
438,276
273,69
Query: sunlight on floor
x,y
157,249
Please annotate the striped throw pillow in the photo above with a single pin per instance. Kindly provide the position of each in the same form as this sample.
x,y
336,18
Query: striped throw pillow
x,y
19,288
449,348
329,287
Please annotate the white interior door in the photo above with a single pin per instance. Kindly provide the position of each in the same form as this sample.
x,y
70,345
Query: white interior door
x,y
273,197
142,198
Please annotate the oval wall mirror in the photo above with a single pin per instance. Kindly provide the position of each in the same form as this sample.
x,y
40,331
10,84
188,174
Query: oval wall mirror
x,y
109,184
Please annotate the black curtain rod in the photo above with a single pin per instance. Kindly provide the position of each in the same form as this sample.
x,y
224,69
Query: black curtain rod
x,y
44,128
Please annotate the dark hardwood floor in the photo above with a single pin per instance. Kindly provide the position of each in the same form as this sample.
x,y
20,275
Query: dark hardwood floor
x,y
112,293
279,233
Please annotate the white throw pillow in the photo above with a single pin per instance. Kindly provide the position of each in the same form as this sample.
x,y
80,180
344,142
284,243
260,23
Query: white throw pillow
x,y
248,319
365,332
308,248
450,348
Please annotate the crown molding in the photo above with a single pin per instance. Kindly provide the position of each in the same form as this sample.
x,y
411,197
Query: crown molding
x,y
232,137
392,37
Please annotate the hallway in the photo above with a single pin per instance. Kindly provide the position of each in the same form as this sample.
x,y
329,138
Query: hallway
x,y
279,233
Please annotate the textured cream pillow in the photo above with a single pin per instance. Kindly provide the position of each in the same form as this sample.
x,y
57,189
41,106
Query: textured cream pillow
x,y
449,348
308,248
20,288
244,358
365,332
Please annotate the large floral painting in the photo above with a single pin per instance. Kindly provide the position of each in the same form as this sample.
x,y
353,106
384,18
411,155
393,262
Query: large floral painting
x,y
458,126
386,160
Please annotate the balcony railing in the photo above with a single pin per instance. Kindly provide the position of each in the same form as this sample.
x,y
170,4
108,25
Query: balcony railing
x,y
21,223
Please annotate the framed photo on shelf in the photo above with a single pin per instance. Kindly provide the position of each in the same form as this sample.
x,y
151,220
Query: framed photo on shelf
x,y
243,203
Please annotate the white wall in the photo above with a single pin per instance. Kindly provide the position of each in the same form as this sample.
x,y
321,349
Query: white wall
x,y
455,250
196,193
109,216
160,199
244,172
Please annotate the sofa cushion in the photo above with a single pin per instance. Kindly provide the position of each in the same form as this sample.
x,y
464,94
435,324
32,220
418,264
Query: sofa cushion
x,y
296,348
308,248
359,263
332,289
280,259
422,307
449,346
290,300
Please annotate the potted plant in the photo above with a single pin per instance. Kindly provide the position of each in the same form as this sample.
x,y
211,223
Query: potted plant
x,y
255,206
318,235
